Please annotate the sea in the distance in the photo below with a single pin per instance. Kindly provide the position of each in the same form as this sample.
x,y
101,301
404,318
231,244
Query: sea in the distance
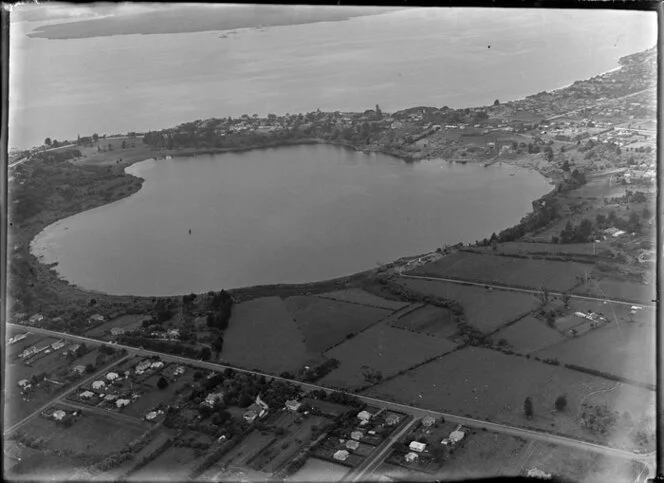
x,y
281,215
459,57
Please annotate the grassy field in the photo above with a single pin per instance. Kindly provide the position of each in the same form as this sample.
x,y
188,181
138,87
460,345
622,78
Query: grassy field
x,y
618,289
248,448
359,296
484,309
127,322
327,322
152,396
90,435
262,335
541,248
625,349
529,334
138,152
531,273
483,383
315,470
382,348
174,464
485,454
429,320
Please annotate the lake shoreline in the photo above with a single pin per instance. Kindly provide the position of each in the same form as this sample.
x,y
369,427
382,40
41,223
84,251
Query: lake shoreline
x,y
48,270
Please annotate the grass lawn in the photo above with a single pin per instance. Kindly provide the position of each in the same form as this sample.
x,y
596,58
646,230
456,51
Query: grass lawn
x,y
521,272
529,334
488,384
429,320
41,467
361,297
152,395
385,349
484,309
91,434
174,464
248,448
262,335
327,322
611,288
127,322
485,454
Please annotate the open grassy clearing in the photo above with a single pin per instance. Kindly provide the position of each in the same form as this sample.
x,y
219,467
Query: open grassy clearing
x,y
624,349
576,465
529,334
174,464
91,434
138,152
41,467
262,335
327,322
488,384
428,320
618,289
248,448
484,309
541,248
319,470
361,297
521,272
485,454
385,349
127,322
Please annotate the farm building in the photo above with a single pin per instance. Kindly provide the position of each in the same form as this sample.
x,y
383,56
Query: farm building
x,y
98,385
341,455
417,446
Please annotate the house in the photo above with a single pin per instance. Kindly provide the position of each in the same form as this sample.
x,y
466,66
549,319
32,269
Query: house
x,y
120,403
456,436
341,455
78,369
17,338
58,415
364,415
293,405
28,352
151,416
356,435
110,397
392,419
24,383
257,410
410,457
96,318
73,348
98,385
417,446
86,394
212,398
117,331
428,421
142,366
352,444
112,376
36,318
156,365
57,345
173,333
537,473
179,370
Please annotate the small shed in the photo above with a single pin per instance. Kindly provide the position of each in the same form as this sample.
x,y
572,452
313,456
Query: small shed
x,y
410,457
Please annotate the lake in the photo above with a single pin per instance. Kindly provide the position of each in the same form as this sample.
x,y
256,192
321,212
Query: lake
x,y
281,215
459,57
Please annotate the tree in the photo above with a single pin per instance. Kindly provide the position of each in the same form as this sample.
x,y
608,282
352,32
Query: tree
x,y
561,403
645,214
496,102
47,141
528,407
600,220
205,353
565,298
162,383
89,368
124,144
95,137
217,344
110,147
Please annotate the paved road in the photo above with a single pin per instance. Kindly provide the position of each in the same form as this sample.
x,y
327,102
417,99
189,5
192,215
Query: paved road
x,y
415,411
525,290
59,398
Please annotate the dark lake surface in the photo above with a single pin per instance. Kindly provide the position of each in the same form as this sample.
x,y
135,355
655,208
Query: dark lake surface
x,y
282,215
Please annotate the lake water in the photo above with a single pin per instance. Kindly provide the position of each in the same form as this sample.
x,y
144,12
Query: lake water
x,y
459,57
281,215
